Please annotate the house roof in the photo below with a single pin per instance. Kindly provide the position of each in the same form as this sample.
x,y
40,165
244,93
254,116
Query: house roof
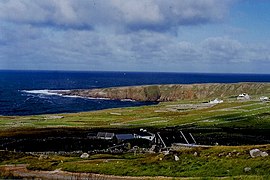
x,y
124,136
142,133
243,94
105,135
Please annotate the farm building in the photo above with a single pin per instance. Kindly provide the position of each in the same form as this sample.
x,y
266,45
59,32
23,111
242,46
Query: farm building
x,y
243,96
264,98
105,135
143,134
215,101
123,137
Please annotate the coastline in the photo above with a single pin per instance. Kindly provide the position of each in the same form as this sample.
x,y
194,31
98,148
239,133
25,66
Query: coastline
x,y
236,126
171,92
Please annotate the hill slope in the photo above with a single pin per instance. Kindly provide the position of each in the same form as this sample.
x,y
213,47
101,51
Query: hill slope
x,y
175,92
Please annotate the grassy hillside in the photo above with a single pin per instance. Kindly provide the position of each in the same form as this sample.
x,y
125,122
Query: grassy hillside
x,y
249,117
199,162
176,92
229,114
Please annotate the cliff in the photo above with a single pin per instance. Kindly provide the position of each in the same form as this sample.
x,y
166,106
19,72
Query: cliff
x,y
175,92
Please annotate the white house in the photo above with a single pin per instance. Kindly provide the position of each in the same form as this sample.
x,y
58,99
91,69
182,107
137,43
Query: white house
x,y
215,101
243,96
264,98
143,134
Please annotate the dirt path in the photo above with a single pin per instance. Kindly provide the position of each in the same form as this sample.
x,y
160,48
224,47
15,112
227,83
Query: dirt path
x,y
20,171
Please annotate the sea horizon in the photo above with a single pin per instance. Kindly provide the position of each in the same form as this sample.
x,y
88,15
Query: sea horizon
x,y
25,92
122,71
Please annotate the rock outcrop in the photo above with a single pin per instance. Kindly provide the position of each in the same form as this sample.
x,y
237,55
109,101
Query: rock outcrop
x,y
174,92
257,153
84,155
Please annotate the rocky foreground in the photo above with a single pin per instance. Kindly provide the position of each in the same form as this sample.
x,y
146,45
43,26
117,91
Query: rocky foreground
x,y
176,92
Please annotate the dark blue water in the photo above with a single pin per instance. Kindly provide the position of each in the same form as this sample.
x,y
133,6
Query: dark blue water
x,y
16,99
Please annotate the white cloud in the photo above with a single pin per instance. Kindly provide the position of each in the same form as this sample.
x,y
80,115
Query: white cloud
x,y
141,50
222,48
132,14
94,36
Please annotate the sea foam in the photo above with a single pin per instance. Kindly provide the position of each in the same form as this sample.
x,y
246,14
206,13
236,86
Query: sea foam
x,y
48,92
45,92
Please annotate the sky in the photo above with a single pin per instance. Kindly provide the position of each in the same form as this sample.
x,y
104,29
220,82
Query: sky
x,y
211,36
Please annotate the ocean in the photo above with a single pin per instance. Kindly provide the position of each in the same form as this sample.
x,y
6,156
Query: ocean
x,y
26,92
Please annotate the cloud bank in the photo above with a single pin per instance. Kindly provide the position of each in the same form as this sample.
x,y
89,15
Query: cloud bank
x,y
132,14
120,35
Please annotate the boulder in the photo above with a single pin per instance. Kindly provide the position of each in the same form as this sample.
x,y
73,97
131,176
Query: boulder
x,y
42,156
176,158
264,154
247,169
255,153
84,155
166,152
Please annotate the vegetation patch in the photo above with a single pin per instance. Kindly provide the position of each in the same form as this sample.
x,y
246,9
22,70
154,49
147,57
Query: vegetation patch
x,y
247,122
220,161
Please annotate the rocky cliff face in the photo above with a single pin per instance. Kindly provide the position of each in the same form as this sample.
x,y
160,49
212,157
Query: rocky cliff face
x,y
175,92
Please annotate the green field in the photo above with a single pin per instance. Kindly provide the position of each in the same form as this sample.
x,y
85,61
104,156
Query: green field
x,y
217,161
239,114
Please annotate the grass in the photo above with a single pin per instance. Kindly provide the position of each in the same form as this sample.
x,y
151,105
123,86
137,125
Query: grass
x,y
238,114
217,161
212,162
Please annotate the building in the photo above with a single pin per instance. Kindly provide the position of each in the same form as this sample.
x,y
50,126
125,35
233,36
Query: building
x,y
243,96
123,137
215,101
105,135
143,134
264,98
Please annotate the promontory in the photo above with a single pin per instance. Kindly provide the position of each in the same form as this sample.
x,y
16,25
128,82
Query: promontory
x,y
173,92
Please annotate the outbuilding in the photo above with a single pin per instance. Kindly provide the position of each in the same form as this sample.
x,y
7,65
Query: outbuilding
x,y
105,135
124,137
264,98
143,134
215,101
243,96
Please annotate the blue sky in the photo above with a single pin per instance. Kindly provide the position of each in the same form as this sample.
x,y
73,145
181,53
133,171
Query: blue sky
x,y
228,36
